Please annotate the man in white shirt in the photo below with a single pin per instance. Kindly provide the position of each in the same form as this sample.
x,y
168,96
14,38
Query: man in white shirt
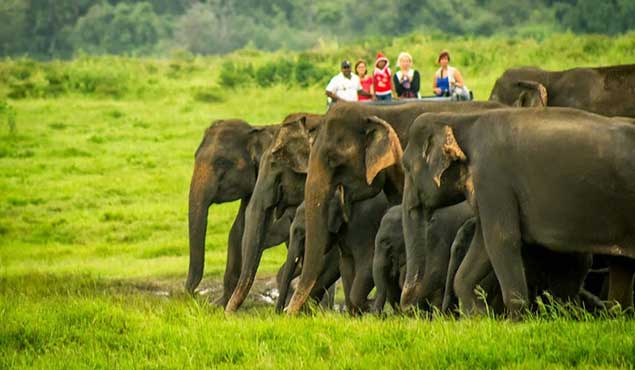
x,y
345,85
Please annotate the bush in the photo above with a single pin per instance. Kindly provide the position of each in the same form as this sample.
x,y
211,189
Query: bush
x,y
280,71
233,75
307,73
28,79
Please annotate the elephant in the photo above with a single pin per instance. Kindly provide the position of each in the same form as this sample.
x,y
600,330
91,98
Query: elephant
x,y
278,190
428,241
392,257
354,232
560,178
389,260
295,254
351,237
226,163
604,90
225,170
357,149
542,266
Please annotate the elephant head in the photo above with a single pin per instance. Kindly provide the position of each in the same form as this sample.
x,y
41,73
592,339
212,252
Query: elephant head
x,y
348,162
279,187
225,168
436,176
521,87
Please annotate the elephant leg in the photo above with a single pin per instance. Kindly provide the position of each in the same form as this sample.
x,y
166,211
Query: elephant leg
x,y
362,285
621,272
590,301
348,275
381,272
328,300
324,289
234,255
458,251
501,233
471,272
393,294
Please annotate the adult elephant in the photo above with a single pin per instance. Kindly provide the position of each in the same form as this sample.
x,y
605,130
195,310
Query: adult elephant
x,y
604,90
560,178
279,189
225,169
357,150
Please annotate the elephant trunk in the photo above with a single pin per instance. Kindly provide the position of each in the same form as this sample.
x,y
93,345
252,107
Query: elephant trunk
x,y
414,229
199,201
319,191
293,258
257,221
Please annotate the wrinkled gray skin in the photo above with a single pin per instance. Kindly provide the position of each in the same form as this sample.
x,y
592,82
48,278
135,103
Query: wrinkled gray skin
x,y
225,168
354,232
544,274
293,264
604,90
389,261
350,250
279,189
564,182
357,150
428,239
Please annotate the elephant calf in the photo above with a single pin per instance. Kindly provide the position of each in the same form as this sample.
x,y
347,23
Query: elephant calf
x,y
295,254
350,252
389,261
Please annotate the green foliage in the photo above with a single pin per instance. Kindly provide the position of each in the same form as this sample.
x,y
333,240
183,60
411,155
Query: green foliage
x,y
233,75
208,95
308,73
121,29
62,28
7,111
280,71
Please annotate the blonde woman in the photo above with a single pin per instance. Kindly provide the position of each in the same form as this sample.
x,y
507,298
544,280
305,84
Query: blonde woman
x,y
406,80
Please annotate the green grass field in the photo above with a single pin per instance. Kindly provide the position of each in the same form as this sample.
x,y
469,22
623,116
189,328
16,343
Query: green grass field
x,y
93,224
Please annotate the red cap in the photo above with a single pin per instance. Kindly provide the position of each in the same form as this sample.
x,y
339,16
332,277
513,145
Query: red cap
x,y
381,57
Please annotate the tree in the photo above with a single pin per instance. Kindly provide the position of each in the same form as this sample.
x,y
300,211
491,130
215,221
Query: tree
x,y
122,29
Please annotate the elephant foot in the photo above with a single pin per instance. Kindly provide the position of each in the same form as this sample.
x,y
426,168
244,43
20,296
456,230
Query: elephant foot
x,y
221,301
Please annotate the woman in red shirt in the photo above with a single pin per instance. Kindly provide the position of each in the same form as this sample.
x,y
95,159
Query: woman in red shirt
x,y
365,80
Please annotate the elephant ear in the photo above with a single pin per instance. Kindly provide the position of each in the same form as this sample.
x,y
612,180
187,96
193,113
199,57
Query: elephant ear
x,y
534,96
291,145
383,148
257,141
441,151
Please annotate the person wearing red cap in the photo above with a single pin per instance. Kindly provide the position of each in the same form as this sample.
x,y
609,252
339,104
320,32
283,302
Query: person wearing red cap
x,y
382,78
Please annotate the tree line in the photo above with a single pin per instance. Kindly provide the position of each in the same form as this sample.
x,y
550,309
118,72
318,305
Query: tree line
x,y
63,28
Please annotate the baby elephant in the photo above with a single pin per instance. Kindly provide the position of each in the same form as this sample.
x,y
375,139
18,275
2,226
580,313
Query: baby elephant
x,y
292,266
389,262
351,245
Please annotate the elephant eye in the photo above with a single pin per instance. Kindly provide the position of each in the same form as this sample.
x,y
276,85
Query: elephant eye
x,y
223,164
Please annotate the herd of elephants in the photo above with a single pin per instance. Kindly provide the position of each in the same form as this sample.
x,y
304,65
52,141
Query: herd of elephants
x,y
532,191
